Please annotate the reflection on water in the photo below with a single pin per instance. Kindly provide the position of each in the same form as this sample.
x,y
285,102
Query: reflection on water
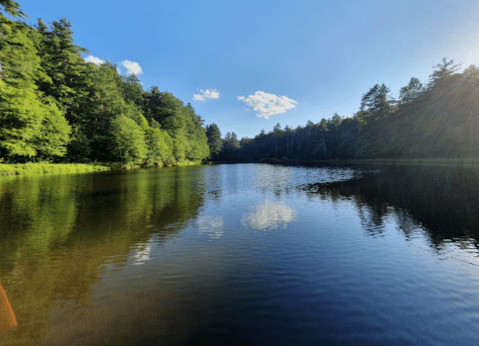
x,y
359,255
269,215
437,201
213,226
442,200
58,233
141,253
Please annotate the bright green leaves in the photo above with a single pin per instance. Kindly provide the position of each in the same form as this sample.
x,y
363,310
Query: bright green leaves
x,y
54,133
30,123
160,147
129,140
30,128
53,104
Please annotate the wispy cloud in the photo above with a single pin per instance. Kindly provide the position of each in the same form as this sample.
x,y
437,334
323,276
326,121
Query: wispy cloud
x,y
95,60
132,67
268,104
206,94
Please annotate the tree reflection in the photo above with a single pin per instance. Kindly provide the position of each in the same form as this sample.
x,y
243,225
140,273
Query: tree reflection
x,y
439,199
58,232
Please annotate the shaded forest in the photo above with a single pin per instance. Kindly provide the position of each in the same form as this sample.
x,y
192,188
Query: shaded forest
x,y
436,120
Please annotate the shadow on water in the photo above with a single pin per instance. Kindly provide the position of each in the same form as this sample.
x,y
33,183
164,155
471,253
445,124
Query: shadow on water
x,y
443,200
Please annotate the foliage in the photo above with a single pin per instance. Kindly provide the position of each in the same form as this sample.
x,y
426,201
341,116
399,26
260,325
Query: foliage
x,y
56,107
129,140
214,140
12,8
30,123
441,120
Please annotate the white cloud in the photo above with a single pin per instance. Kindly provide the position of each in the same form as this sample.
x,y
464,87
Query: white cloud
x,y
267,214
95,60
206,94
132,67
268,104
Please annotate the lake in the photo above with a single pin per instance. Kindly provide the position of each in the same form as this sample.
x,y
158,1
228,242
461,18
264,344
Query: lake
x,y
244,253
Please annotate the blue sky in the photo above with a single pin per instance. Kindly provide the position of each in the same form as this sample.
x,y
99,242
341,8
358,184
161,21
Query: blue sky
x,y
293,60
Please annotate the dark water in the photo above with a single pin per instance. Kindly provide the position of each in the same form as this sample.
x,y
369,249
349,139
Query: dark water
x,y
243,254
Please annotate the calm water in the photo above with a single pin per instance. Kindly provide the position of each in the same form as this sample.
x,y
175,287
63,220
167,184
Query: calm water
x,y
247,253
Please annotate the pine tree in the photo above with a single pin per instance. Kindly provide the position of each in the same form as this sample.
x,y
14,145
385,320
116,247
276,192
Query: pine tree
x,y
443,71
411,91
214,139
12,8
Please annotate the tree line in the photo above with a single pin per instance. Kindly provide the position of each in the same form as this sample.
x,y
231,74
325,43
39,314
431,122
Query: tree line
x,y
56,107
437,119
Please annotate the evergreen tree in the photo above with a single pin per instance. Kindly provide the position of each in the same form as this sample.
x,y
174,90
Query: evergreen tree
x,y
443,71
152,105
336,120
132,90
30,122
376,101
411,91
12,8
214,140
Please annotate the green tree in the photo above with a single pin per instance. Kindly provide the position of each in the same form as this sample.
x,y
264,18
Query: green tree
x,y
411,91
95,120
62,61
376,101
132,90
12,8
443,71
129,138
159,147
214,140
30,122
336,120
152,105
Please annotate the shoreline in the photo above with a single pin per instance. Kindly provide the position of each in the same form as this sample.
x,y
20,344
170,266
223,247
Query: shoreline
x,y
69,168
34,168
452,162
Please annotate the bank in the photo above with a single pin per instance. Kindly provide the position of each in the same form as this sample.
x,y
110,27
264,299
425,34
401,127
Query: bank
x,y
7,169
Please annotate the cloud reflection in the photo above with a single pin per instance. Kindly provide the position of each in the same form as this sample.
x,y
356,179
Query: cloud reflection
x,y
142,254
211,226
269,215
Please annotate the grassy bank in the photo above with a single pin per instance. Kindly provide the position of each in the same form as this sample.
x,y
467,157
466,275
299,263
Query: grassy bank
x,y
118,165
48,168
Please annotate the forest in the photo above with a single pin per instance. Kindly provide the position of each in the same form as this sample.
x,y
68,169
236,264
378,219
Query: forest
x,y
55,107
439,119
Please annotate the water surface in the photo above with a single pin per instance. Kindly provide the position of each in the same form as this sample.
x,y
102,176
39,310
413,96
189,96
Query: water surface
x,y
247,253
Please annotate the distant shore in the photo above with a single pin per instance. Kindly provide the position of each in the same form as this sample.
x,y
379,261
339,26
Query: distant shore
x,y
391,161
